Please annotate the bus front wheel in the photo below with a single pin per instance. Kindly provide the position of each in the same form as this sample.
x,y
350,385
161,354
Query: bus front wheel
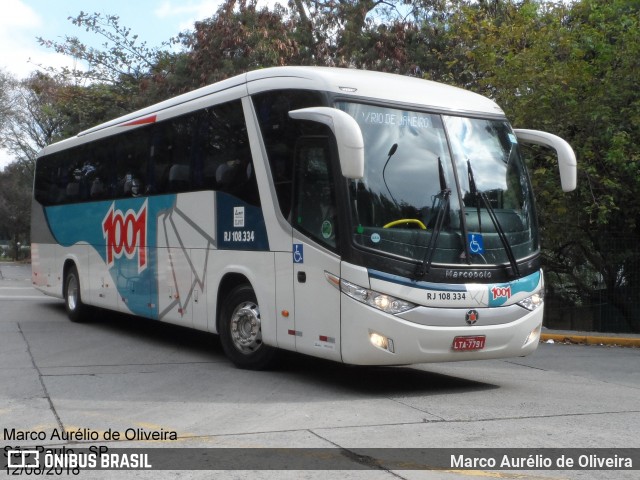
x,y
241,330
72,297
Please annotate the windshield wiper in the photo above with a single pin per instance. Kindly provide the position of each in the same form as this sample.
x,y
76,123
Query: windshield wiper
x,y
494,219
445,193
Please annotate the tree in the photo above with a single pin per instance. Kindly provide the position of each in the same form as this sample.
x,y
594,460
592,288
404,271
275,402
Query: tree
x,y
241,37
15,204
603,122
238,38
124,75
372,34
125,63
7,86
36,119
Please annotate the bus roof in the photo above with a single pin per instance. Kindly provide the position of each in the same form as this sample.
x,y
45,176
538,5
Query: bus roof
x,y
364,84
382,86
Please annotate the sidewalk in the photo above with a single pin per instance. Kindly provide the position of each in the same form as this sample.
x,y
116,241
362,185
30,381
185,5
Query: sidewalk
x,y
591,338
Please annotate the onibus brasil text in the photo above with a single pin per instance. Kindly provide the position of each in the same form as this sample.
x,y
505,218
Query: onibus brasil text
x,y
41,460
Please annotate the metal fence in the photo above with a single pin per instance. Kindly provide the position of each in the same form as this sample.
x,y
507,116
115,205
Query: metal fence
x,y
594,317
601,309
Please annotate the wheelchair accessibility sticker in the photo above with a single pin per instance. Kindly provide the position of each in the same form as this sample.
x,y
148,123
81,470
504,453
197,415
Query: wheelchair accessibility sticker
x,y
298,255
476,243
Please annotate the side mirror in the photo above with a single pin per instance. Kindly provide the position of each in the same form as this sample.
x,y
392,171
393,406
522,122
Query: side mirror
x,y
348,136
566,157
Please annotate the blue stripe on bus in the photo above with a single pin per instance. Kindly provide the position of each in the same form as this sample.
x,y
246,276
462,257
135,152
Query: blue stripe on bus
x,y
442,287
499,293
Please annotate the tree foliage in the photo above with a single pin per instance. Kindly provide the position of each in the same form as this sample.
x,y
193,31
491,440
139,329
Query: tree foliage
x,y
7,104
36,118
123,62
15,204
238,38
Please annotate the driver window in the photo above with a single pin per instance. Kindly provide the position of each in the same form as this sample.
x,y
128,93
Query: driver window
x,y
314,210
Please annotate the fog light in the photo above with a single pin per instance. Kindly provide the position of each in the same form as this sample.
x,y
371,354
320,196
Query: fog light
x,y
381,341
534,336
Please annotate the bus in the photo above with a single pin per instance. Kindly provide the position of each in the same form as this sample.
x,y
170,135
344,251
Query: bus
x,y
362,217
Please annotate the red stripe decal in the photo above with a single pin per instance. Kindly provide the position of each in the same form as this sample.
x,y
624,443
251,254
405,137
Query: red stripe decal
x,y
140,121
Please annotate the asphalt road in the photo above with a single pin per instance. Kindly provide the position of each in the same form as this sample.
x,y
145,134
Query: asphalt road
x,y
121,374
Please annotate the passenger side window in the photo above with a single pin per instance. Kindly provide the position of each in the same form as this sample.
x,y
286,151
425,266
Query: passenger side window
x,y
224,157
280,134
314,209
131,154
207,149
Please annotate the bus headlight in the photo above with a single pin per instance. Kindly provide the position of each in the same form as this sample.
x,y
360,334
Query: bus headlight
x,y
386,303
533,302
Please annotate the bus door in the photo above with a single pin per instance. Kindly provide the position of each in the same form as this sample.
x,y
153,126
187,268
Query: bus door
x,y
315,261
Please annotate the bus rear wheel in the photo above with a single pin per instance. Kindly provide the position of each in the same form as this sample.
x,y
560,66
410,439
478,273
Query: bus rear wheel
x,y
241,331
72,296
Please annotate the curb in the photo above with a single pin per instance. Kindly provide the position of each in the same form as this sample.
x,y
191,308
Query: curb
x,y
590,339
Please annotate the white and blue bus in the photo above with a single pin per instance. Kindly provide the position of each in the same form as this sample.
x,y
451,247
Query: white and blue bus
x,y
361,217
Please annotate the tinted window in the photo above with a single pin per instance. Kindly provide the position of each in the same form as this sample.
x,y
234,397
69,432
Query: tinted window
x,y
280,134
314,209
203,150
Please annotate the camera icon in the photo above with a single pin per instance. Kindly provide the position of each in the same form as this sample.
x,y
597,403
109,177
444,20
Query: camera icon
x,y
23,459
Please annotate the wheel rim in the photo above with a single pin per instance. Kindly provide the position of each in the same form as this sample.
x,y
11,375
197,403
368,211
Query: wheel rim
x,y
72,292
246,333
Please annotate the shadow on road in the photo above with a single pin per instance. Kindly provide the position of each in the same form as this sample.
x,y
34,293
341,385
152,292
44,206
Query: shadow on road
x,y
367,381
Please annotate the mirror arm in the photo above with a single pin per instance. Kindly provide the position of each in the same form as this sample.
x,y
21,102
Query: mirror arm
x,y
347,133
566,157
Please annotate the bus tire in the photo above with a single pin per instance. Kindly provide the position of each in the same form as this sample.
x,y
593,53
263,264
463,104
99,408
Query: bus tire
x,y
72,296
241,331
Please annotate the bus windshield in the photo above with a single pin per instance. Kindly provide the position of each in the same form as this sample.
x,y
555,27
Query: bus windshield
x,y
441,189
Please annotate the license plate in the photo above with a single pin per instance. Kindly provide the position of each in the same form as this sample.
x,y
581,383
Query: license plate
x,y
468,343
